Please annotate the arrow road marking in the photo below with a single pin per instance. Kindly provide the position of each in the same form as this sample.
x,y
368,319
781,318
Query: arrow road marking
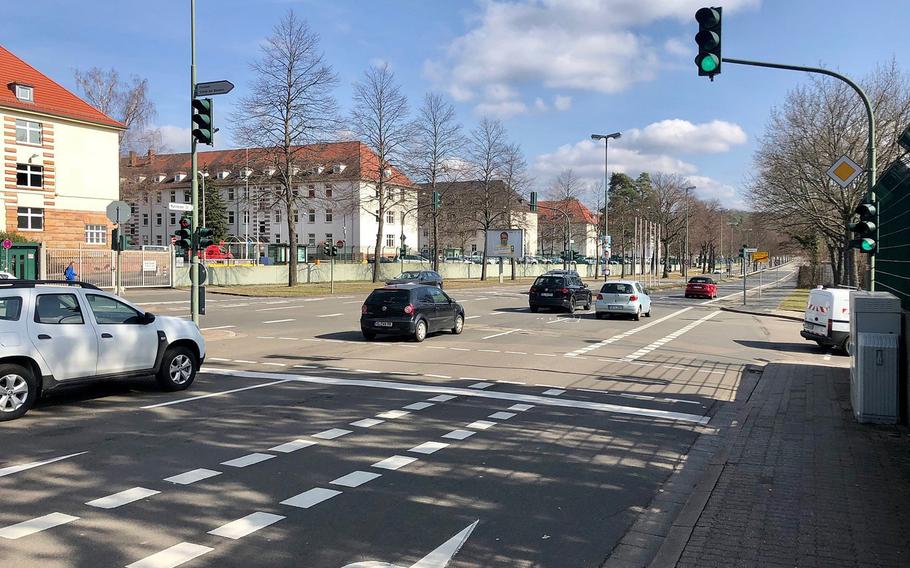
x,y
439,558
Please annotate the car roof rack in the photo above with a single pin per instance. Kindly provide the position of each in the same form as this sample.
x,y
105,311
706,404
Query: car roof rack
x,y
33,283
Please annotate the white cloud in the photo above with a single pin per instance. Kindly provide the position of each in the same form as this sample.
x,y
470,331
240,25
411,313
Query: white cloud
x,y
586,158
677,46
501,109
174,138
379,63
679,135
562,102
540,105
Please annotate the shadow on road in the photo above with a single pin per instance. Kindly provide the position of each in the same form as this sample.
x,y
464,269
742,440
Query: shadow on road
x,y
778,346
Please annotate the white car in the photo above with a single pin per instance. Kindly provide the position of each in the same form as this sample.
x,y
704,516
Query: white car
x,y
623,297
54,334
826,320
6,275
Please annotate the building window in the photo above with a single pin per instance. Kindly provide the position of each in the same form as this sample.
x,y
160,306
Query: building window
x,y
328,190
230,194
173,196
296,217
277,216
95,234
390,217
401,193
25,93
158,218
158,240
31,218
28,132
426,233
311,191
328,215
161,197
231,217
145,219
28,175
277,238
473,249
390,240
145,239
311,216
173,218
246,217
187,196
311,239
246,193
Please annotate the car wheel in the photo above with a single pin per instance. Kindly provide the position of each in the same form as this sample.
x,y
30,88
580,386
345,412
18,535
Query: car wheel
x,y
178,369
534,309
588,304
572,306
459,325
18,391
637,316
420,331
368,335
847,346
648,313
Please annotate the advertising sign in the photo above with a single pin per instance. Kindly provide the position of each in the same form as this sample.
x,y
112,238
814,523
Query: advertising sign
x,y
506,243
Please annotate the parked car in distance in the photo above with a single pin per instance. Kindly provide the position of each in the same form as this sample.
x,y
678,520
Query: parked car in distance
x,y
216,252
717,271
413,258
624,297
6,276
56,334
559,289
701,287
529,260
410,309
826,320
428,277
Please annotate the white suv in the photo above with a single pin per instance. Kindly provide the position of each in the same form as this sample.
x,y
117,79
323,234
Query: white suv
x,y
54,334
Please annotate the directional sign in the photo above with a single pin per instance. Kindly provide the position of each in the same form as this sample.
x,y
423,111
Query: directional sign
x,y
213,88
180,207
759,256
118,212
844,171
749,249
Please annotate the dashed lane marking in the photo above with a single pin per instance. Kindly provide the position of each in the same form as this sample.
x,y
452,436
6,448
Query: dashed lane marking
x,y
356,478
122,498
471,317
437,376
38,524
192,476
395,462
311,498
25,466
247,525
554,392
625,334
247,460
172,557
279,321
217,327
500,334
662,341
329,315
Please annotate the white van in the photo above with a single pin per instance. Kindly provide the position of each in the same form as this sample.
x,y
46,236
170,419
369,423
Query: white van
x,y
827,318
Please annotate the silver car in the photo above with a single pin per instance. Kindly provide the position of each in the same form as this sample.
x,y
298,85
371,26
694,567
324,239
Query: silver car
x,y
624,297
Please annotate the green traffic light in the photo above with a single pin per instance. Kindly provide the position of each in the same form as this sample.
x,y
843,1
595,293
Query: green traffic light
x,y
708,63
867,245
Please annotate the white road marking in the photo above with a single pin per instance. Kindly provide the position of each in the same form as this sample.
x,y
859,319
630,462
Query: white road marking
x,y
418,406
497,313
521,407
509,382
122,498
367,423
247,460
489,350
219,359
337,369
480,385
311,498
352,302
305,367
245,361
442,555
545,354
24,466
500,334
38,524
441,398
276,364
332,433
248,524
516,353
458,349
356,478
394,462
471,317
660,342
235,305
750,290
192,476
365,371
217,327
289,338
459,434
292,446
554,392
481,425
279,321
278,308
625,334
329,315
501,415
459,391
438,376
428,447
222,393
827,356
172,557
392,414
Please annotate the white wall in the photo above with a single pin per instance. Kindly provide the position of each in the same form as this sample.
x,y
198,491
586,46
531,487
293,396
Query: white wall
x,y
88,166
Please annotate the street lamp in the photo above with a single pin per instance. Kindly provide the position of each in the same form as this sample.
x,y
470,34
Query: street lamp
x,y
606,138
686,264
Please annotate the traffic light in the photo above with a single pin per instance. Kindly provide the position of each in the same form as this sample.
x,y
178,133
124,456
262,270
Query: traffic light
x,y
203,131
437,201
115,238
334,250
204,238
184,236
864,229
327,248
533,202
708,40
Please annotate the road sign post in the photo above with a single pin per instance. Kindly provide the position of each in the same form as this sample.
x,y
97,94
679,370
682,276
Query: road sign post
x,y
118,212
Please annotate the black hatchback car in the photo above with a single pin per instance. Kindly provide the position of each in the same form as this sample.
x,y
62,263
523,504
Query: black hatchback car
x,y
429,277
559,289
410,309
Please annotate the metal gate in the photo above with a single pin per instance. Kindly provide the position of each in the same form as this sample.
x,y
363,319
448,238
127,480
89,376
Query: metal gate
x,y
21,260
141,268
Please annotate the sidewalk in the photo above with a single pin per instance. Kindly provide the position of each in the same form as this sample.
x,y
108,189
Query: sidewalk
x,y
798,482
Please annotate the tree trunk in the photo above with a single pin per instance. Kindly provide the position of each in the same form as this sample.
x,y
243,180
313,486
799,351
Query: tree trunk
x,y
436,241
483,269
377,250
666,273
292,249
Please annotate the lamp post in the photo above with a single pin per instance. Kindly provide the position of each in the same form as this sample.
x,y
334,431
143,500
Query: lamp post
x,y
686,263
203,175
606,138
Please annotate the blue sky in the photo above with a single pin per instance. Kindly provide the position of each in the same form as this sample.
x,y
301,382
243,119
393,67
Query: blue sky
x,y
553,70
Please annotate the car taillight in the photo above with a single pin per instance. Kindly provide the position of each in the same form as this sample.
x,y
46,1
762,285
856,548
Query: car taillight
x,y
633,297
600,296
533,290
364,309
409,309
565,290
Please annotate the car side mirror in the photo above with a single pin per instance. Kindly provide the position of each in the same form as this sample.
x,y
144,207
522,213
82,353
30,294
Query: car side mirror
x,y
147,318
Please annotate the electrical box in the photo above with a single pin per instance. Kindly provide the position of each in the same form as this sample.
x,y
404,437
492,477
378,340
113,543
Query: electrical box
x,y
874,380
874,312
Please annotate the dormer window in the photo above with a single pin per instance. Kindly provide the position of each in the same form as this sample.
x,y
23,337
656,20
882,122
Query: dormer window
x,y
160,178
245,173
338,168
179,176
24,93
223,174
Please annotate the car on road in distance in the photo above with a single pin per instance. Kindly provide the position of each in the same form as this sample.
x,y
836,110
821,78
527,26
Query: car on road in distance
x,y
623,297
410,309
826,320
412,258
701,287
6,275
559,289
55,334
428,277
718,271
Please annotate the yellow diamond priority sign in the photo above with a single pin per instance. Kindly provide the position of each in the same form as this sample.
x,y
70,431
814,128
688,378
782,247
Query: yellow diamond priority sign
x,y
844,171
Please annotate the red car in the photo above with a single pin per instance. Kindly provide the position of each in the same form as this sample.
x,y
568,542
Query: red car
x,y
701,287
216,252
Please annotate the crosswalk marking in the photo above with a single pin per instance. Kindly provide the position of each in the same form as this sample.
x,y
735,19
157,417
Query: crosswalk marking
x,y
395,462
32,526
332,433
292,446
367,423
122,498
172,557
356,478
481,425
248,524
248,459
418,406
428,448
311,498
192,476
459,434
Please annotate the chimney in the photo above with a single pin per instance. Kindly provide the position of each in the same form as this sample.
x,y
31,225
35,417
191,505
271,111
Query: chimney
x,y
151,155
132,159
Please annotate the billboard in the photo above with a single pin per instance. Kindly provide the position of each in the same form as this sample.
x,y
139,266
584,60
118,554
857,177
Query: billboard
x,y
506,243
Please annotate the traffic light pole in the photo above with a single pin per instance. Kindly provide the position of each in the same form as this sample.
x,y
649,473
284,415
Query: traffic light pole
x,y
870,146
194,258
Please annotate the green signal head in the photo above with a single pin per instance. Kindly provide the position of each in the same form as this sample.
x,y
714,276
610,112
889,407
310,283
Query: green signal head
x,y
867,245
709,63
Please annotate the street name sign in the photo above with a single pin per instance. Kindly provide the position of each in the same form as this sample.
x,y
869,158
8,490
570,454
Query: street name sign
x,y
844,171
180,206
214,88
118,212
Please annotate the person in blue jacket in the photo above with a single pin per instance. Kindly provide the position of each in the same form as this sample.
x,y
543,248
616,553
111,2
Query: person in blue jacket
x,y
70,272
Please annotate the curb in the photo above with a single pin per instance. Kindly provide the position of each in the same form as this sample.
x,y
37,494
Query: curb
x,y
766,314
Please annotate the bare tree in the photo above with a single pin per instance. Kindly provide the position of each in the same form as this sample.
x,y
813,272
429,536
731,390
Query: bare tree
x,y
380,117
126,101
290,105
666,207
437,140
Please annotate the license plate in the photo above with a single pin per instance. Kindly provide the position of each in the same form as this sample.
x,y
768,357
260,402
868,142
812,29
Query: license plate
x,y
382,323
614,307
547,294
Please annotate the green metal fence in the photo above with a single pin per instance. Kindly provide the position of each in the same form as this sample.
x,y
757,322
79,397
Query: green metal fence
x,y
892,271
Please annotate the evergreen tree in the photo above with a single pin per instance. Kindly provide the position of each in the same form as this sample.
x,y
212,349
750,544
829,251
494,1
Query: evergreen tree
x,y
215,213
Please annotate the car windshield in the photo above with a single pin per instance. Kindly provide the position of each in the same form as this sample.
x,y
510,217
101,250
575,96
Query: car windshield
x,y
549,281
408,276
700,280
617,288
389,298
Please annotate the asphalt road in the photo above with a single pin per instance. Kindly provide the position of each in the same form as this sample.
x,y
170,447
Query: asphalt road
x,y
529,440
